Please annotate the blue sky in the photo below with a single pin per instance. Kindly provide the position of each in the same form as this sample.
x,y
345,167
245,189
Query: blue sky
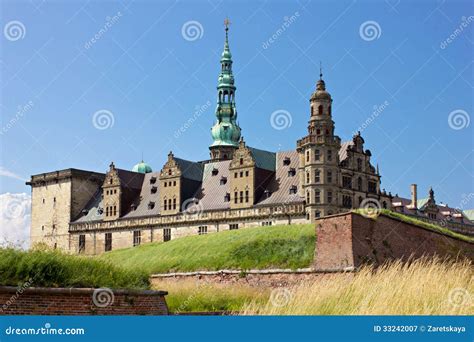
x,y
151,78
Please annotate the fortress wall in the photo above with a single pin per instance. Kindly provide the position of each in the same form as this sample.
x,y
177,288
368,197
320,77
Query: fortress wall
x,y
352,240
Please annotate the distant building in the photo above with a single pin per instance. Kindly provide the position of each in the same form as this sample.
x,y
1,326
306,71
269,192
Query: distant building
x,y
238,187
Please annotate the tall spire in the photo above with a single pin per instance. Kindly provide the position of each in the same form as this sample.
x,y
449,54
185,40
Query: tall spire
x,y
226,131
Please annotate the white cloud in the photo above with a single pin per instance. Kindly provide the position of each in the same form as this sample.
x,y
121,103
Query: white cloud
x,y
6,173
15,219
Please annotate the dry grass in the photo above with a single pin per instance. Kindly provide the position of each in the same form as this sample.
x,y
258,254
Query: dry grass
x,y
424,287
189,295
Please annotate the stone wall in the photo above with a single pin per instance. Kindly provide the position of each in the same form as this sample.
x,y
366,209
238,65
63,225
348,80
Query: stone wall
x,y
64,301
351,240
270,278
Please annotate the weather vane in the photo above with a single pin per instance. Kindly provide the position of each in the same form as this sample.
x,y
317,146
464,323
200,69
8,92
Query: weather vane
x,y
227,23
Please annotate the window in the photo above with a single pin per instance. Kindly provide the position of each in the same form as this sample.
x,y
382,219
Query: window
x,y
54,226
317,196
54,200
165,204
152,180
115,210
317,176
307,156
241,161
82,243
223,180
174,203
346,182
291,172
170,172
151,205
246,196
42,227
43,200
215,171
174,183
106,211
329,177
372,187
317,214
266,223
316,155
293,189
246,173
307,177
233,226
108,242
329,155
137,237
312,111
166,184
241,174
329,196
347,201
235,174
359,164
359,184
308,197
115,191
227,197
286,161
166,234
241,197
154,189
320,110
329,110
384,205
202,230
235,197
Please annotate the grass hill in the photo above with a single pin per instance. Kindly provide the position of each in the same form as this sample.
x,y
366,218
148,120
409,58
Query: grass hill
x,y
51,268
285,246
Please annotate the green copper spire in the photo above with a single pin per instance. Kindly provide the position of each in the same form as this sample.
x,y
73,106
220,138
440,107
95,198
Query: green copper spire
x,y
225,132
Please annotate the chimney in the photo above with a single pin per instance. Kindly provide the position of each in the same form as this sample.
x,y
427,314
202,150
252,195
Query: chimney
x,y
413,197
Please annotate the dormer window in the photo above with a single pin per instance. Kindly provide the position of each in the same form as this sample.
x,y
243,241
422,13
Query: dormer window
x,y
152,180
291,172
215,171
170,172
133,206
85,212
293,189
223,180
267,193
151,205
286,161
154,189
241,161
227,197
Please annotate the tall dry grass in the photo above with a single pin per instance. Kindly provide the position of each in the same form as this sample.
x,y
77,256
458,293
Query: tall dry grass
x,y
424,287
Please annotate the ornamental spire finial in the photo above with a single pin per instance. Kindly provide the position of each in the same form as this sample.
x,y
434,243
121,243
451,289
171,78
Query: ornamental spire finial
x,y
320,70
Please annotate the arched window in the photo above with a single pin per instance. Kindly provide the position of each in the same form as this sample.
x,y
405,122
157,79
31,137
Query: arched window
x,y
329,109
317,176
307,156
307,177
320,110
359,184
308,197
312,111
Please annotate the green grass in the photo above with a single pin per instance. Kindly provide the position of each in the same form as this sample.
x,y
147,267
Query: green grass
x,y
55,269
420,223
286,246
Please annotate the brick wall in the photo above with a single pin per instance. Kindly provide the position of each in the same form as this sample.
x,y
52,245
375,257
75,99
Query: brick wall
x,y
351,240
64,301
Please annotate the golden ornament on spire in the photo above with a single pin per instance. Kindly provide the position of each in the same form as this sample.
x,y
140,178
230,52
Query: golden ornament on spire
x,y
227,23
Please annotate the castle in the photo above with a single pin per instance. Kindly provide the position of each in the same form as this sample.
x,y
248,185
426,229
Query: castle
x,y
238,187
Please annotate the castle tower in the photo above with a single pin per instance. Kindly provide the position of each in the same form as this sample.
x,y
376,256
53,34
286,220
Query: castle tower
x,y
226,131
318,157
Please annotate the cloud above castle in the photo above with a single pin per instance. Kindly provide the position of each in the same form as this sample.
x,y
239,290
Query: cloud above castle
x,y
15,219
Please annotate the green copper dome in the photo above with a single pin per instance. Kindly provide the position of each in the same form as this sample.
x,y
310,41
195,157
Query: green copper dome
x,y
142,167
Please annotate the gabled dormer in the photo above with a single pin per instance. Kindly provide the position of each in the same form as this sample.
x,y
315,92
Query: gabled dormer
x,y
111,191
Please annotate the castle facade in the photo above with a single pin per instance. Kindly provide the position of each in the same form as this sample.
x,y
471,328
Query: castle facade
x,y
238,187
